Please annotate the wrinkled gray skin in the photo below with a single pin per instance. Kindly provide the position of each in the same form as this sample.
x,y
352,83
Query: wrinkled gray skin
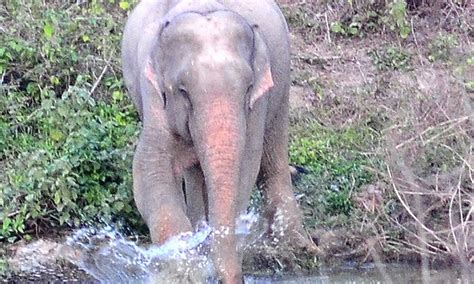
x,y
210,80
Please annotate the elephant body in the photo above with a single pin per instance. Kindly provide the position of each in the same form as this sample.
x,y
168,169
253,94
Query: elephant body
x,y
210,80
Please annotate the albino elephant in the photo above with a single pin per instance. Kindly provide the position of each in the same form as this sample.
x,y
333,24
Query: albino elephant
x,y
210,80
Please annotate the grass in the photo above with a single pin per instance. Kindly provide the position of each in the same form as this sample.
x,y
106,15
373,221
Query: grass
x,y
399,188
336,163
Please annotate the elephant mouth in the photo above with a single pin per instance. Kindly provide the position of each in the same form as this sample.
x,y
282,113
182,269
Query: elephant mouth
x,y
185,158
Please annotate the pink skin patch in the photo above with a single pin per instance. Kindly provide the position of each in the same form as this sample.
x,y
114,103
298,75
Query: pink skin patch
x,y
151,76
264,85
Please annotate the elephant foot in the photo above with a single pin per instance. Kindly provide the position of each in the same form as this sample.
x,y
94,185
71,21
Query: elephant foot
x,y
286,228
168,223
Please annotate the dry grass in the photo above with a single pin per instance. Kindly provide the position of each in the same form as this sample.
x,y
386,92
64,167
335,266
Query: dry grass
x,y
421,206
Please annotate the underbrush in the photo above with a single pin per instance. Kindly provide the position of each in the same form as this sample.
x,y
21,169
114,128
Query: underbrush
x,y
336,161
360,18
407,174
66,127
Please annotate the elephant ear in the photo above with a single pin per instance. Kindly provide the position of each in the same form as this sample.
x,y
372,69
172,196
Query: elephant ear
x,y
261,67
153,81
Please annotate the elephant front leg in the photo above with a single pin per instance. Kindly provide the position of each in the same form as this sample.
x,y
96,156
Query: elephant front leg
x,y
156,192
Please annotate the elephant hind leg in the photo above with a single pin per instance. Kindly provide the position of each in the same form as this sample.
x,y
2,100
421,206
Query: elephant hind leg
x,y
196,195
275,182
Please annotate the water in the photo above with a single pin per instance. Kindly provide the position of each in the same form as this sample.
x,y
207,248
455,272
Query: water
x,y
110,257
380,273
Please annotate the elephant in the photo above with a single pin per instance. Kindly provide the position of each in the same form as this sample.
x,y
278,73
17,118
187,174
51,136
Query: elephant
x,y
210,80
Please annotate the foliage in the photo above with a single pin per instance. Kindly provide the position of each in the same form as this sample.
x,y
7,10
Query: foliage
x,y
391,58
352,29
335,161
370,16
66,152
396,18
3,266
440,48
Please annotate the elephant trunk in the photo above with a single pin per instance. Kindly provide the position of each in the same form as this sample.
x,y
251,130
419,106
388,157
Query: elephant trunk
x,y
220,149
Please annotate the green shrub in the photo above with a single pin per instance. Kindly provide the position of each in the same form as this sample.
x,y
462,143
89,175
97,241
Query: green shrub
x,y
67,130
359,17
391,58
396,18
336,164
440,48
67,162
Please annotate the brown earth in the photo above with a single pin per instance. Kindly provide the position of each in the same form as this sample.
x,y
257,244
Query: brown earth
x,y
416,107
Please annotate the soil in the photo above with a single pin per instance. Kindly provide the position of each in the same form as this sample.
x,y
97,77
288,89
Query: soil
x,y
337,81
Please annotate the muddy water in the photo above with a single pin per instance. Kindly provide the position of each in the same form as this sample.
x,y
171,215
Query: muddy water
x,y
106,256
392,273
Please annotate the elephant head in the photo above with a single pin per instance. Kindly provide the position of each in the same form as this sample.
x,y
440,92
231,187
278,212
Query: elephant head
x,y
209,70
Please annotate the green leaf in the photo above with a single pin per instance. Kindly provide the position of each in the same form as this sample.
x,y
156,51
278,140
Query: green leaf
x,y
469,86
86,38
404,31
117,96
336,27
124,5
6,224
54,80
64,218
57,197
56,135
48,30
118,206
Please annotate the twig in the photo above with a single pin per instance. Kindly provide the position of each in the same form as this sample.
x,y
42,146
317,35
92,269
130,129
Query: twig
x,y
361,72
416,42
453,121
407,208
327,27
417,248
13,214
435,249
97,82
451,202
466,220
465,162
463,225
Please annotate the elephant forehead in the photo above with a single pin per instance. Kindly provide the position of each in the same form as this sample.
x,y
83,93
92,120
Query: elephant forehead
x,y
222,26
216,55
222,40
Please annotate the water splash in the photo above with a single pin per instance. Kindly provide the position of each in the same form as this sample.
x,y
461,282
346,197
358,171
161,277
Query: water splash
x,y
110,257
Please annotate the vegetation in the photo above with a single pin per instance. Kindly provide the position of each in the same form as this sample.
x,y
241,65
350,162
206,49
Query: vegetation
x,y
391,58
335,163
66,127
382,130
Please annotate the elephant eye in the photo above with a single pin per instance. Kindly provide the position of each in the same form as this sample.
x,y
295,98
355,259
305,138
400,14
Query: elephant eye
x,y
183,93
